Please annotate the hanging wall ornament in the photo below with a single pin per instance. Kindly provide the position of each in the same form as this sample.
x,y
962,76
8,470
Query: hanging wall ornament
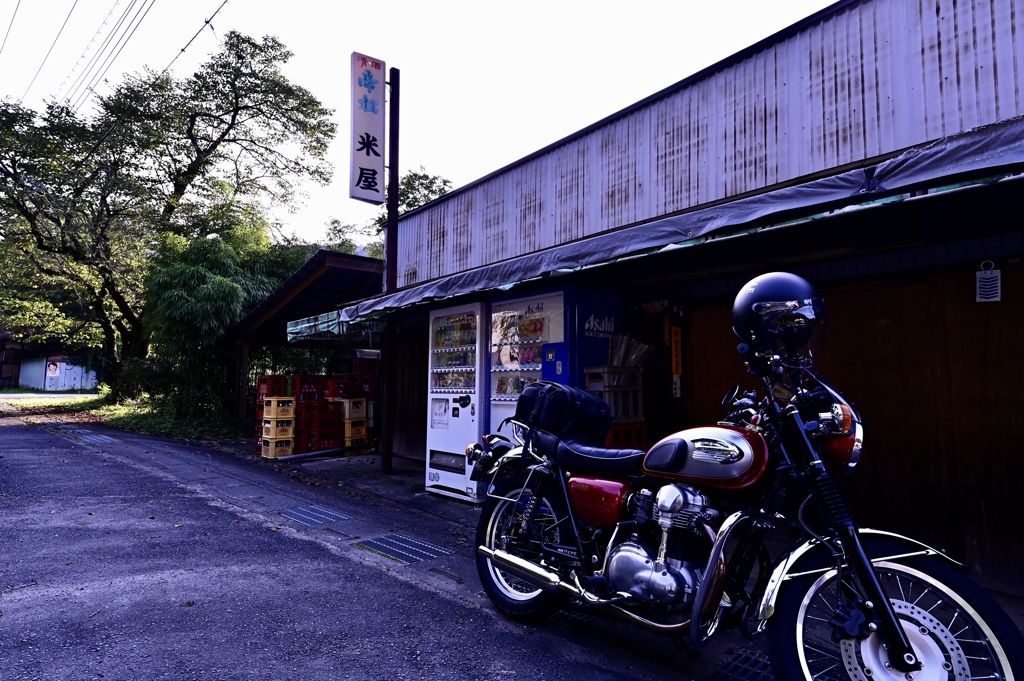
x,y
988,284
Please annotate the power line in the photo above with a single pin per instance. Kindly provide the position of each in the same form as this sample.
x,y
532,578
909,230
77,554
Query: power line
x,y
9,26
84,51
50,50
113,125
73,93
121,43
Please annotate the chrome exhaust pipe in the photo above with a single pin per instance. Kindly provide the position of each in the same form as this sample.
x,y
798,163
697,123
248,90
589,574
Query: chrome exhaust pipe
x,y
534,574
551,582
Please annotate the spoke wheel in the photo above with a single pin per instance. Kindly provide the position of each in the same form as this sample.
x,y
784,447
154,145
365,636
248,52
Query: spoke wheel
x,y
503,525
956,631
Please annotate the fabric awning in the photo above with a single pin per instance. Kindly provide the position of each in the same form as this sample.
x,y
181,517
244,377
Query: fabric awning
x,y
977,155
329,326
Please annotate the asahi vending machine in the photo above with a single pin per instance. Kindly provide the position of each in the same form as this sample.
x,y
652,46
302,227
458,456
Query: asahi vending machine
x,y
549,336
457,408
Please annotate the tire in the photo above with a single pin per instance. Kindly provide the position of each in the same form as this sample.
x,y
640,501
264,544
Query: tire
x,y
957,630
511,595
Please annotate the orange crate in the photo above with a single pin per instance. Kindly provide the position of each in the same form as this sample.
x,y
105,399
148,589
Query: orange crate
x,y
353,428
279,408
278,428
274,448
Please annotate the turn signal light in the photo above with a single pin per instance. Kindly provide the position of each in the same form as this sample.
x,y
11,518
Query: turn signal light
x,y
843,417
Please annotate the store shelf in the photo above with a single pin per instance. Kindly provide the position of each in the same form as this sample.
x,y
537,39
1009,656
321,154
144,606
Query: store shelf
x,y
453,370
533,368
455,348
453,391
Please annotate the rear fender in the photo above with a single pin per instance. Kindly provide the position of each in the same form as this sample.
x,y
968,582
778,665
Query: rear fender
x,y
510,463
812,557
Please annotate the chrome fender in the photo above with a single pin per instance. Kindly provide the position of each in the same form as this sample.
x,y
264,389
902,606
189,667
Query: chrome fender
x,y
785,567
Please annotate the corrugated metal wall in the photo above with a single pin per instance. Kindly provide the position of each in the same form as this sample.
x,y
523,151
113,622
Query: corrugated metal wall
x,y
869,79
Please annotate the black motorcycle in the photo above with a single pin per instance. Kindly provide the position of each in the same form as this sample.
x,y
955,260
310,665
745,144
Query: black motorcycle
x,y
675,539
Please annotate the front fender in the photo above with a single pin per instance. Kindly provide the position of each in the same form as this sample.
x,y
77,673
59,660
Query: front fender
x,y
806,557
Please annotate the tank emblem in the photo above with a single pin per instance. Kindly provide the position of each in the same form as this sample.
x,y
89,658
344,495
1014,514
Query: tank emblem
x,y
716,451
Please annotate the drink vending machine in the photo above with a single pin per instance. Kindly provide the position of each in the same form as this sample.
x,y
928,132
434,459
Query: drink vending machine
x,y
482,355
550,336
457,408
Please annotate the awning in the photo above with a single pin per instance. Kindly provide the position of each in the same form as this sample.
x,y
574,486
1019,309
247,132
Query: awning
x,y
329,326
977,155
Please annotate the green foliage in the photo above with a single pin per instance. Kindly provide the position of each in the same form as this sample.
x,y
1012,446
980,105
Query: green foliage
x,y
415,188
92,207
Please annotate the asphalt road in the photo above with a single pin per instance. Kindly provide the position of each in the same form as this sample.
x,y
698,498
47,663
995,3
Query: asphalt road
x,y
128,557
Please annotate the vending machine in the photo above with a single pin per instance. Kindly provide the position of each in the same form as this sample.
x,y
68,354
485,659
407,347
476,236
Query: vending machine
x,y
457,409
549,336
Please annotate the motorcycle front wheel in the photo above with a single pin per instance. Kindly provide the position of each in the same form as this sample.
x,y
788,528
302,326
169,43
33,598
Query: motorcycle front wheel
x,y
957,630
503,526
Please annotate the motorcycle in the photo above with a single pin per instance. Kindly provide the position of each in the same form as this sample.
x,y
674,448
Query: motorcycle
x,y
675,539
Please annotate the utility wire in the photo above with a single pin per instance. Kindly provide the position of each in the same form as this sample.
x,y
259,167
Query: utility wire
x,y
50,50
9,26
84,76
113,125
122,42
89,45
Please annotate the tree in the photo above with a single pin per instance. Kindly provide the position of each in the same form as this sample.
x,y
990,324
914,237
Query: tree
x,y
87,202
415,188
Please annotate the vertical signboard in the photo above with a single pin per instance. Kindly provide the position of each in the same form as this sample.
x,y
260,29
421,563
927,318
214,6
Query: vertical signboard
x,y
366,174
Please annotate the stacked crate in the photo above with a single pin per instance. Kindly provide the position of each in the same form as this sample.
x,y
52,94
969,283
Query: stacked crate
x,y
278,434
327,412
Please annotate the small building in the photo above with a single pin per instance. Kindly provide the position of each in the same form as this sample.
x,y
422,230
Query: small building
x,y
54,373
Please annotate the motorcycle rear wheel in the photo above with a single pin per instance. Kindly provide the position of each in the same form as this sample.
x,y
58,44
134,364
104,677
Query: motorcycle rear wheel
x,y
500,527
957,630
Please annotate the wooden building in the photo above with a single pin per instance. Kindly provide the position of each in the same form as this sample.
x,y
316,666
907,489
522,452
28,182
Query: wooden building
x,y
876,148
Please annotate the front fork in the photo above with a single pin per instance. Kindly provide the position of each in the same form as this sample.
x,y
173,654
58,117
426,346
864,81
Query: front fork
x,y
837,515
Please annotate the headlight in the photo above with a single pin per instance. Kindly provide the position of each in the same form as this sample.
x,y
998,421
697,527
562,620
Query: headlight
x,y
841,453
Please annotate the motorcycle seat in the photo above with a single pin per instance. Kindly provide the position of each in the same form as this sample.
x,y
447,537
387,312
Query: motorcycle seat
x,y
582,458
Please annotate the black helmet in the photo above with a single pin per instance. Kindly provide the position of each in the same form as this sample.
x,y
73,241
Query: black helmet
x,y
781,313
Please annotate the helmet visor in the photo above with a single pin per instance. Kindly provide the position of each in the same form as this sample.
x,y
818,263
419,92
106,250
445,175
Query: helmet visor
x,y
795,327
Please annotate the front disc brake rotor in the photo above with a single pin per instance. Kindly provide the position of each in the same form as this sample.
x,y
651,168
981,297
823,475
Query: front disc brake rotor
x,y
936,648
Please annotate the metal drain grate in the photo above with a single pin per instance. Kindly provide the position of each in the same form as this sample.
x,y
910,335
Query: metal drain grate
x,y
403,549
571,619
744,666
88,436
314,515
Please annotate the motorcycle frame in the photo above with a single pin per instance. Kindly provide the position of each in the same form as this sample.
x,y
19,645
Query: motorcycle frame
x,y
847,545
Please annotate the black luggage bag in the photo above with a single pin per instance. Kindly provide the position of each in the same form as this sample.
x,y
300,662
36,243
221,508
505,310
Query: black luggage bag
x,y
566,412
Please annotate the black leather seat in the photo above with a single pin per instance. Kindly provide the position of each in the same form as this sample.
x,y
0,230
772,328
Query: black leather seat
x,y
580,458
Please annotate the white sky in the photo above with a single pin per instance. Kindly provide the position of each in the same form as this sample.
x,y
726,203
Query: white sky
x,y
483,84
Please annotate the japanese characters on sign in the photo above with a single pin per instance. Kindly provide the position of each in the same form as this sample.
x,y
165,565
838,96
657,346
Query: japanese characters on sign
x,y
366,176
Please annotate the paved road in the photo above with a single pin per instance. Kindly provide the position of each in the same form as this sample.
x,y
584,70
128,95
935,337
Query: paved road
x,y
128,557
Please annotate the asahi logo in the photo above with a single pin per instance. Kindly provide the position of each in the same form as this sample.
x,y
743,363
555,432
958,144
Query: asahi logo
x,y
599,327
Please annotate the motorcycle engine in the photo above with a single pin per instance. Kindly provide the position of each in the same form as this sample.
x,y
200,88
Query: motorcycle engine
x,y
661,564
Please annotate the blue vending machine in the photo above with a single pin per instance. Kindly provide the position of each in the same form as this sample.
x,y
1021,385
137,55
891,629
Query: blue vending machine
x,y
548,336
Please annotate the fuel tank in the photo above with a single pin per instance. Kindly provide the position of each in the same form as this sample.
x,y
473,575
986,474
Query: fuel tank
x,y
728,457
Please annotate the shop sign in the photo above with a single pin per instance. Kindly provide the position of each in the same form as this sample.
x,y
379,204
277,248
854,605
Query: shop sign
x,y
366,174
655,307
599,327
677,351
